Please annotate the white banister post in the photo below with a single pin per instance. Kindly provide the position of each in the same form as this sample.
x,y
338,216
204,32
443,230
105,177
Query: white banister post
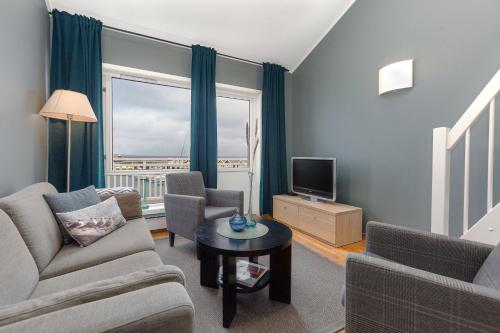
x,y
466,181
440,181
491,156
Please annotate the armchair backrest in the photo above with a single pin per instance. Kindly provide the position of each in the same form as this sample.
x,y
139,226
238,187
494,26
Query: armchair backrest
x,y
186,183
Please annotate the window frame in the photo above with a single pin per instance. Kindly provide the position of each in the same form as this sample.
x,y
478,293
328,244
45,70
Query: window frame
x,y
111,71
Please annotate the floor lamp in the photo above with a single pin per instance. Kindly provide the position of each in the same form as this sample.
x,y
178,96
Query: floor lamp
x,y
71,106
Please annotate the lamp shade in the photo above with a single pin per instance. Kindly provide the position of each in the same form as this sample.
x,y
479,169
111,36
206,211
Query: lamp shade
x,y
67,104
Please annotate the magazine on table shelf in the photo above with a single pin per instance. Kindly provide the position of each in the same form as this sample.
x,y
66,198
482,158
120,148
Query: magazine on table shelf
x,y
247,273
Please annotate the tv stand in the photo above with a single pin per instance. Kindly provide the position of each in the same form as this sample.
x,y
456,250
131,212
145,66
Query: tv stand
x,y
334,223
312,199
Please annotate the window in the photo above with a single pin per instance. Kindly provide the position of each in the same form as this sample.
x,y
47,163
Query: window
x,y
151,126
233,121
147,122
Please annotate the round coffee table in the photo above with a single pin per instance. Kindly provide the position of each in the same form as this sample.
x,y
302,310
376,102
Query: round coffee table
x,y
277,243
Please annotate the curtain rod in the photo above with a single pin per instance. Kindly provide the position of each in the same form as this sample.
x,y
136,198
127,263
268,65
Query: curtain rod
x,y
175,43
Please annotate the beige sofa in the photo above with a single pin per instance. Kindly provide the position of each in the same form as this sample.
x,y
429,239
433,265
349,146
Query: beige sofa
x,y
117,284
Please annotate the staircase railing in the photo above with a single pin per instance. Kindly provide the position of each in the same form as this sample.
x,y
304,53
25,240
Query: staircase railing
x,y
444,141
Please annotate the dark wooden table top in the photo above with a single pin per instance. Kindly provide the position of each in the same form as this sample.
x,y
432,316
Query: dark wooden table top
x,y
278,237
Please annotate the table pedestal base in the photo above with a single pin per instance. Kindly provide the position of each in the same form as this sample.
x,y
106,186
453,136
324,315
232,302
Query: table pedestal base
x,y
279,285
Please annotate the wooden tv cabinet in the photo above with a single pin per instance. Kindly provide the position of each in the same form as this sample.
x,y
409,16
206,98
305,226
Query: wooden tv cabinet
x,y
334,223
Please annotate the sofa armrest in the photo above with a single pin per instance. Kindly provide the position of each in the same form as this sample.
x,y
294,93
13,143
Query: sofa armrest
x,y
384,296
225,198
451,257
89,293
183,213
129,200
161,308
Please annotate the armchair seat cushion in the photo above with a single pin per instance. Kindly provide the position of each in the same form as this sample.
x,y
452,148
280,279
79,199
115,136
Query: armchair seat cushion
x,y
212,212
489,273
132,238
129,264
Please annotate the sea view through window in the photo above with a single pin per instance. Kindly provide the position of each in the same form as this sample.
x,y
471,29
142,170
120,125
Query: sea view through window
x,y
151,127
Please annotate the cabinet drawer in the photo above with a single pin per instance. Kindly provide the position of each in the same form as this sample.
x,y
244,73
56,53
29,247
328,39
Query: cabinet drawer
x,y
286,212
317,223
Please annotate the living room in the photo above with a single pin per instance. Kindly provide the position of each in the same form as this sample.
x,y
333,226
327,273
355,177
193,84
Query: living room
x,y
250,166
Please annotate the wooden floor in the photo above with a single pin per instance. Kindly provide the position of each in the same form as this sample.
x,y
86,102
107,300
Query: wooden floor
x,y
336,254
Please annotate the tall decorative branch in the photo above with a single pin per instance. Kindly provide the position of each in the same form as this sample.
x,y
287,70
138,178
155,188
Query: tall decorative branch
x,y
251,169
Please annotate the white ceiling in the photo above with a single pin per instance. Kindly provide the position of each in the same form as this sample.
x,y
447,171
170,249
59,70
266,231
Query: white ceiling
x,y
278,31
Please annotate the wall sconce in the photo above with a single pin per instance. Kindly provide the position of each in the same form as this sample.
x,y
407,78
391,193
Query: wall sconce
x,y
396,76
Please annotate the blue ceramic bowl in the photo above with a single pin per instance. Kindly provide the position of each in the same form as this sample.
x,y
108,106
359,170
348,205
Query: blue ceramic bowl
x,y
237,222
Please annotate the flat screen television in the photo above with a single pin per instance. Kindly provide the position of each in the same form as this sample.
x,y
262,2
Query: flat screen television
x,y
315,177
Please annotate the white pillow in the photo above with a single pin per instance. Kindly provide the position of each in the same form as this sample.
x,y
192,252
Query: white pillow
x,y
89,224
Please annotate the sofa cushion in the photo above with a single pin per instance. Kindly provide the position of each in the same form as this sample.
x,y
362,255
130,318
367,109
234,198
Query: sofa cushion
x,y
92,223
163,307
489,273
91,292
18,271
71,201
132,238
212,212
34,220
128,264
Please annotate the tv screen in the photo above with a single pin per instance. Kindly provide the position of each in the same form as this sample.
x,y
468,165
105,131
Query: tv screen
x,y
314,177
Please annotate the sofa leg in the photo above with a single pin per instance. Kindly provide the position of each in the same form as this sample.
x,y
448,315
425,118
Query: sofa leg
x,y
171,237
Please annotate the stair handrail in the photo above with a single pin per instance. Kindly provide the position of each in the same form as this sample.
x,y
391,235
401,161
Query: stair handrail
x,y
444,140
474,111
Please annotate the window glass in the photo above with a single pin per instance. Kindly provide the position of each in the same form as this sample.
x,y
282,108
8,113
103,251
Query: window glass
x,y
151,126
232,120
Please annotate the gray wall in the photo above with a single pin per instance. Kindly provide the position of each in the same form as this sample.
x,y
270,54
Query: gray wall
x,y
131,51
24,35
384,143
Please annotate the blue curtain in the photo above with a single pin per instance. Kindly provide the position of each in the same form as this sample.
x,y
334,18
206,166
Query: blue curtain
x,y
204,114
76,64
274,179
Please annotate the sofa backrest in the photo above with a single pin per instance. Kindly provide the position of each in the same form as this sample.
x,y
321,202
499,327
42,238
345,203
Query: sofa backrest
x,y
186,183
35,221
18,271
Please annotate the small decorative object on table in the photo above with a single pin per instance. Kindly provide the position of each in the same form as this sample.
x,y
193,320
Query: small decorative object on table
x,y
237,222
250,219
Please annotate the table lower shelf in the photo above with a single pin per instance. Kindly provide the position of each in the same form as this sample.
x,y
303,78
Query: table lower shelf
x,y
241,289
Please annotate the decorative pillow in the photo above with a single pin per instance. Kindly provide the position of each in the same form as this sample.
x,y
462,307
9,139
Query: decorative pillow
x,y
114,190
489,273
71,201
129,200
89,224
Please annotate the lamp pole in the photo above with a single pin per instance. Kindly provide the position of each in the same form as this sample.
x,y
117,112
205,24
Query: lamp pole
x,y
68,172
